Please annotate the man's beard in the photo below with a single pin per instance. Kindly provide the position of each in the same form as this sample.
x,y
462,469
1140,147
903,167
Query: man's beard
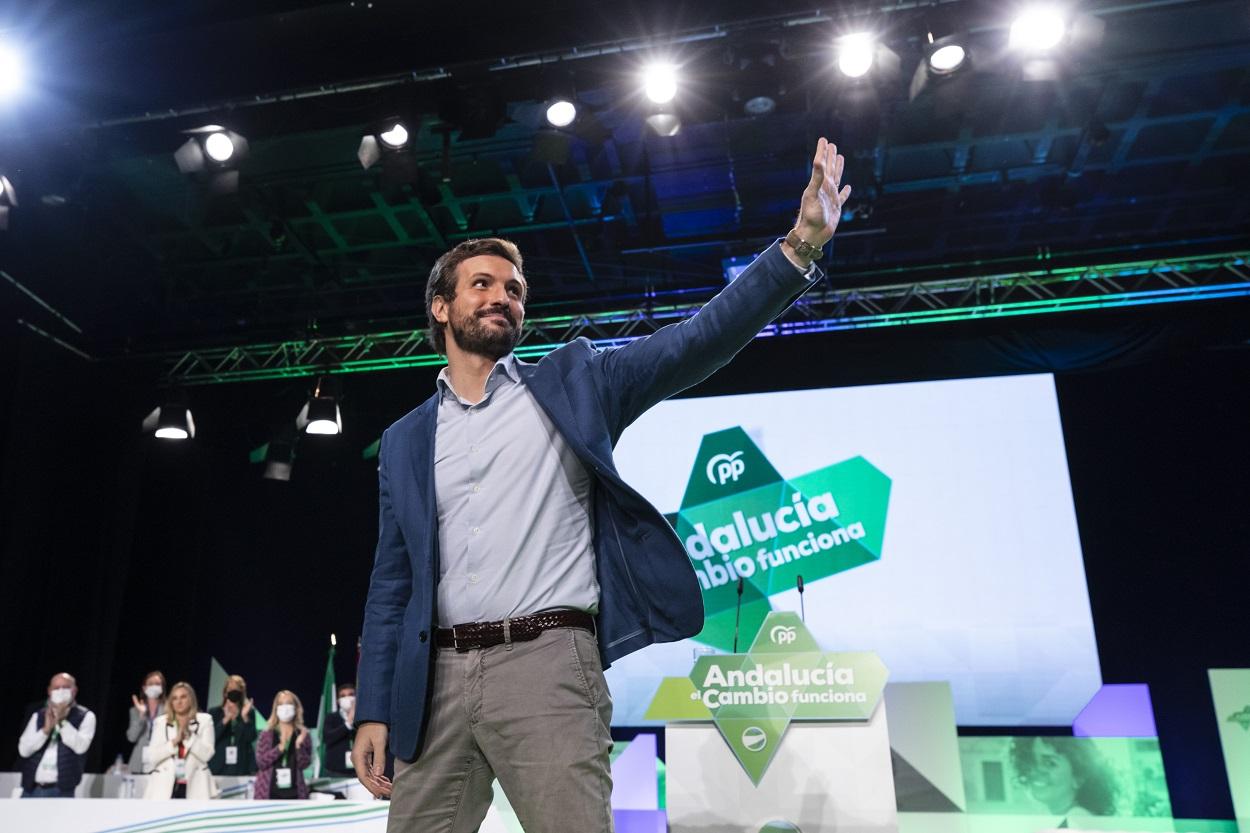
x,y
475,336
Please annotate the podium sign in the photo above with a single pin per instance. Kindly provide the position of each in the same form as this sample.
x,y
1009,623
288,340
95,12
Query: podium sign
x,y
752,697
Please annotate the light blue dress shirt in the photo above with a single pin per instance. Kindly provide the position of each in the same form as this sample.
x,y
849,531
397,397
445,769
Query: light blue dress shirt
x,y
515,532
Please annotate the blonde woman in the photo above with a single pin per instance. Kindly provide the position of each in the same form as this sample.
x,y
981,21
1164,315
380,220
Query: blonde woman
x,y
283,750
180,749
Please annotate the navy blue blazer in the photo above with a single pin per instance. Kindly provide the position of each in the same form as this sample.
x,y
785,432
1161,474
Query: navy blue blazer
x,y
648,589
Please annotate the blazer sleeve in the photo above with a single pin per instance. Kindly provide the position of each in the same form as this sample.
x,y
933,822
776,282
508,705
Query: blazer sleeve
x,y
202,744
303,753
336,730
267,752
137,722
159,747
640,374
390,587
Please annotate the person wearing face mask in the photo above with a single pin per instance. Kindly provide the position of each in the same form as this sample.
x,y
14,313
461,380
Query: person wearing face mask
x,y
54,746
340,734
180,749
234,729
142,716
283,750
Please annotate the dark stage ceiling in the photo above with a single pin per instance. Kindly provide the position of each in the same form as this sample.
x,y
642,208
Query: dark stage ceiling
x,y
1132,149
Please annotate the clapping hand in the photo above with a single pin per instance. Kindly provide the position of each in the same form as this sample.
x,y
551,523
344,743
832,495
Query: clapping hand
x,y
140,707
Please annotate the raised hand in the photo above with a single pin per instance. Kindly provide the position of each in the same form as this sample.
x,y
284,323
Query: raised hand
x,y
821,206
140,707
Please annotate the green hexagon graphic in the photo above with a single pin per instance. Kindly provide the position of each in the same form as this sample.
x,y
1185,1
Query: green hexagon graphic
x,y
740,518
752,697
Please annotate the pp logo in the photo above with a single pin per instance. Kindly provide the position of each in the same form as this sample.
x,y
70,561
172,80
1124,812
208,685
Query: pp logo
x,y
754,739
725,467
783,635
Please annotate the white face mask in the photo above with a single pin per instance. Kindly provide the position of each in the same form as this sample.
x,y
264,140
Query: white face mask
x,y
346,702
152,691
286,712
61,696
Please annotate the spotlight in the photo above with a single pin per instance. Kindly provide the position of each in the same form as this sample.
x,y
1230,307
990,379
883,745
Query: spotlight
x,y
320,415
659,82
1037,29
11,71
561,113
171,421
757,79
390,142
664,122
219,147
395,137
213,153
8,201
946,59
856,53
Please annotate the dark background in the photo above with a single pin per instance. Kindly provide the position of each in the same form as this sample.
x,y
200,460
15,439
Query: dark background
x,y
121,553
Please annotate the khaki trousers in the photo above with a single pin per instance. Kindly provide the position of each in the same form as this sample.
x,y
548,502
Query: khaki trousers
x,y
536,716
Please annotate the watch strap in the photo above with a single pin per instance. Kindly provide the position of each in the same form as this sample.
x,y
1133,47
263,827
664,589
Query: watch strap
x,y
802,248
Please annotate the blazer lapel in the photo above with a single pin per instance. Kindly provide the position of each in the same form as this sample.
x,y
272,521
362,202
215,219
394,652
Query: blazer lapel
x,y
553,398
421,455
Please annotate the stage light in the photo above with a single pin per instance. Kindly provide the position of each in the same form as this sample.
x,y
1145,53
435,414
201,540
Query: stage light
x,y
279,460
946,59
390,141
8,201
213,153
395,137
11,70
219,147
664,122
659,82
561,113
320,415
171,421
856,53
1037,29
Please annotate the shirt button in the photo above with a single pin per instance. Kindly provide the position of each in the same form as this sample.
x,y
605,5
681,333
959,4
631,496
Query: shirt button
x,y
472,448
476,530
477,487
473,577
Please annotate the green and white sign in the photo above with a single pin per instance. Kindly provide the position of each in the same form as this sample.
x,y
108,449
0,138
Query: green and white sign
x,y
1230,693
785,676
739,518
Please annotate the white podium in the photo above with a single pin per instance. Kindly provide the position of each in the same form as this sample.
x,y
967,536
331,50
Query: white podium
x,y
825,777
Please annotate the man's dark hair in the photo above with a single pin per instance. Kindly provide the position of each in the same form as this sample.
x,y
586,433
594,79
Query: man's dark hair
x,y
442,281
341,687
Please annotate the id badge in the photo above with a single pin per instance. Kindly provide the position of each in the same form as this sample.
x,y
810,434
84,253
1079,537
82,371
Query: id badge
x,y
347,760
232,755
283,776
180,769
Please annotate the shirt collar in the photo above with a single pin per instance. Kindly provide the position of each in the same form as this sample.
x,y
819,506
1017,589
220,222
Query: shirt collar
x,y
504,369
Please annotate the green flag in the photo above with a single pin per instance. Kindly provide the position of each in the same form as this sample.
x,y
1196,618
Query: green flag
x,y
329,702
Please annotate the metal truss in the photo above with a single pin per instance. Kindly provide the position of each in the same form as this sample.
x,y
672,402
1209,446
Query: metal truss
x,y
1104,286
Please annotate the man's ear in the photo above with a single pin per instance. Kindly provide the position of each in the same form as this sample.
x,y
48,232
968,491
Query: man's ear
x,y
438,307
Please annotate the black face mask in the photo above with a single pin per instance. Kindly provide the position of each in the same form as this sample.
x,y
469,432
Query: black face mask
x,y
234,696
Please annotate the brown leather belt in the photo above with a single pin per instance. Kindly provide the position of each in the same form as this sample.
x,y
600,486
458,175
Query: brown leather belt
x,y
521,629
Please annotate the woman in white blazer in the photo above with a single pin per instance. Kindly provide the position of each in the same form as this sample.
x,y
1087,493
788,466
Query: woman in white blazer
x,y
180,749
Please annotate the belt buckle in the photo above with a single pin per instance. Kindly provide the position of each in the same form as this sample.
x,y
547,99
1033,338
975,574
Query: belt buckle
x,y
455,640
